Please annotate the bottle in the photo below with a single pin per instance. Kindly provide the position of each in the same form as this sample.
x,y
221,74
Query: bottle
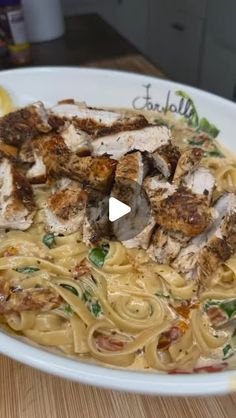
x,y
12,25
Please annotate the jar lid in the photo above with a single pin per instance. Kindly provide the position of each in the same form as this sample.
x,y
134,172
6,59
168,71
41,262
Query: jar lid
x,y
9,2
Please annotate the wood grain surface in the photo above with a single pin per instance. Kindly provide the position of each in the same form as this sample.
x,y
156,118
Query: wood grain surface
x,y
28,393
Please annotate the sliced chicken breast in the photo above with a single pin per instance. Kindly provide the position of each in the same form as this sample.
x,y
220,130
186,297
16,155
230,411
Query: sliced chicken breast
x,y
37,174
98,122
165,246
65,210
24,124
188,162
8,151
148,139
14,299
142,239
16,198
165,160
201,181
207,251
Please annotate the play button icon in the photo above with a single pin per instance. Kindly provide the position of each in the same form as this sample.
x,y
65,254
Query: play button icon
x,y
117,209
119,215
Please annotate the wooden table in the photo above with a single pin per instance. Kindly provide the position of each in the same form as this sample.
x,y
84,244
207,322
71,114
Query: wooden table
x,y
28,393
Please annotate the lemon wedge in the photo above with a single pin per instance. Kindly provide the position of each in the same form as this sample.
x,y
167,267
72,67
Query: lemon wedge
x,y
6,104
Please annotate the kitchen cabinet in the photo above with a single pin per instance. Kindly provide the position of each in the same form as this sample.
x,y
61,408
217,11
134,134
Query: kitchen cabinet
x,y
129,17
175,39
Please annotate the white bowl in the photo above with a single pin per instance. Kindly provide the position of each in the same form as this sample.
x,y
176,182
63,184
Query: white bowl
x,y
119,89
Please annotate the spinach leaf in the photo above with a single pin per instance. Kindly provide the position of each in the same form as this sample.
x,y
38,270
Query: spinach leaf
x,y
96,309
161,122
208,127
229,307
97,255
215,153
27,269
86,296
70,288
48,240
68,309
228,351
193,119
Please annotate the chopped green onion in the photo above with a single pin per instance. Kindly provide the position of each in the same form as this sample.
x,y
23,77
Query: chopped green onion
x,y
70,288
48,240
27,269
97,255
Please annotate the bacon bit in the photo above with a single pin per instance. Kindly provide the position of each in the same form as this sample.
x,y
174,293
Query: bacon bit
x,y
211,369
176,371
108,343
168,337
81,269
216,315
203,369
10,251
185,307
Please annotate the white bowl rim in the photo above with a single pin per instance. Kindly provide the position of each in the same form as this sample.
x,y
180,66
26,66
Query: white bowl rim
x,y
108,377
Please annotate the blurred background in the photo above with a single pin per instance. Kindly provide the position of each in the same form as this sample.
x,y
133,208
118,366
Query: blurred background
x,y
191,41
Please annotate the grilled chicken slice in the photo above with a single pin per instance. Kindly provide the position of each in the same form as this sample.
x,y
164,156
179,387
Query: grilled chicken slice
x,y
166,245
190,174
215,245
77,141
201,182
92,172
183,211
188,162
177,209
65,210
165,160
14,299
8,151
142,239
98,122
60,161
148,139
129,176
16,198
221,246
37,174
70,140
24,124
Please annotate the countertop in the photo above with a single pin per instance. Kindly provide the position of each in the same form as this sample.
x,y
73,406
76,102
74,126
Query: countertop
x,y
28,393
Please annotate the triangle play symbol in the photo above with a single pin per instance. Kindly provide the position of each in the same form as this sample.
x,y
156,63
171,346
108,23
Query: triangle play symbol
x,y
117,209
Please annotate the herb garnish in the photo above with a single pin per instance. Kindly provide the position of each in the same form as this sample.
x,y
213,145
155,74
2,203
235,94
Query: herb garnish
x,y
96,308
48,240
27,269
70,288
97,255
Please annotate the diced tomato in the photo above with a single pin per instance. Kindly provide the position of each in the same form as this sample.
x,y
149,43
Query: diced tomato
x,y
109,343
